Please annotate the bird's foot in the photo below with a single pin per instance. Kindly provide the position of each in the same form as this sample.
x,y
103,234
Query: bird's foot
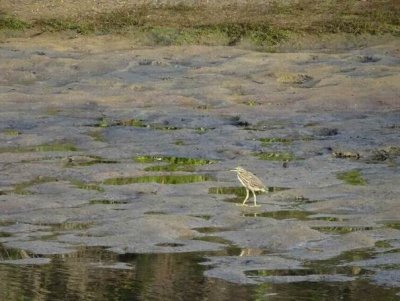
x,y
256,205
242,205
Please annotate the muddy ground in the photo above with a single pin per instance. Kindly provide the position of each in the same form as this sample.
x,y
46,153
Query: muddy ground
x,y
87,126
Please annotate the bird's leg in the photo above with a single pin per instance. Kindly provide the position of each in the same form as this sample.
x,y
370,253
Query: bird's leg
x,y
247,196
255,199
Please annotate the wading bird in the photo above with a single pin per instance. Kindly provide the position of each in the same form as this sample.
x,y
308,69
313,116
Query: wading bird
x,y
251,182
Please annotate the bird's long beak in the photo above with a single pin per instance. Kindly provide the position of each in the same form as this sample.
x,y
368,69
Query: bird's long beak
x,y
233,170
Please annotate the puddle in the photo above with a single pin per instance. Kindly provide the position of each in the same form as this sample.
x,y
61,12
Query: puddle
x,y
327,218
155,213
105,123
214,239
107,202
171,167
240,191
392,224
294,214
346,257
72,161
275,156
174,163
383,244
282,214
208,230
169,244
97,135
69,226
341,229
206,217
167,179
173,160
86,186
348,271
51,147
20,188
352,177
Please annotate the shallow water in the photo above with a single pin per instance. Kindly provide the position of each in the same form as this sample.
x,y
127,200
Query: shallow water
x,y
96,274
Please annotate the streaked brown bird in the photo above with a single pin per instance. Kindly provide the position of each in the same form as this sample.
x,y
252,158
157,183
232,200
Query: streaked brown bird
x,y
251,182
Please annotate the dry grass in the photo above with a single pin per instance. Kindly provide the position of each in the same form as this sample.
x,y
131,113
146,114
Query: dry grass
x,y
262,26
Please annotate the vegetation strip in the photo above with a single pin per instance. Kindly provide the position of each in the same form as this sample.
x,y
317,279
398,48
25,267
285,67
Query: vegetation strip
x,y
261,25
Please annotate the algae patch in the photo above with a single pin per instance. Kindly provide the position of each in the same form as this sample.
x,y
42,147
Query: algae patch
x,y
276,156
352,177
11,132
272,140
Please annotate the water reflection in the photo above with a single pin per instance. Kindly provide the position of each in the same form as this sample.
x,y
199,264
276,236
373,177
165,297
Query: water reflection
x,y
147,277
92,274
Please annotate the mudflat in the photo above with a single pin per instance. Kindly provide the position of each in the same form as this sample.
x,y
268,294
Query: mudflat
x,y
106,143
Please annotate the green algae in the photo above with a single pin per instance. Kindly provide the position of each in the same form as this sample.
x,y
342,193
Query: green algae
x,y
276,156
272,140
11,132
352,177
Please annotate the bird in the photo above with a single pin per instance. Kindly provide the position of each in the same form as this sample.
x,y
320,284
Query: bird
x,y
251,182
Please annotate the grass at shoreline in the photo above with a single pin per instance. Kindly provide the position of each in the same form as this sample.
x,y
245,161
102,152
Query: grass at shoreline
x,y
261,26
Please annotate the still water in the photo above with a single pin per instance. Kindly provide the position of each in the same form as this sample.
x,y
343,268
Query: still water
x,y
96,274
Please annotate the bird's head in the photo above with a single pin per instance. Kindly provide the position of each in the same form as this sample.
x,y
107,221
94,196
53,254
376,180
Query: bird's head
x,y
237,169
